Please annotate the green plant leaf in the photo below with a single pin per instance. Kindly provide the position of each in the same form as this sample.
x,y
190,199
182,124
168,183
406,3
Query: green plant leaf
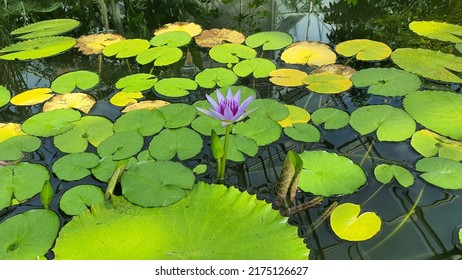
x,y
386,81
332,118
80,198
136,82
156,183
175,87
192,228
364,49
200,169
121,145
263,130
429,144
228,53
347,224
21,181
123,98
268,108
296,115
269,40
259,67
171,39
37,48
329,174
73,167
303,132
183,142
81,79
51,123
218,76
204,125
126,48
32,97
384,173
436,110
5,96
240,145
392,124
309,53
14,148
287,77
287,184
178,114
438,30
145,122
442,172
162,56
28,236
327,83
429,64
46,28
46,194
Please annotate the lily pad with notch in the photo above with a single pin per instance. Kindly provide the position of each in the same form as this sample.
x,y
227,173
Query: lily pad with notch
x,y
37,48
51,123
442,172
296,115
269,40
384,173
175,87
124,98
263,130
171,39
229,53
438,30
46,28
239,146
259,67
428,144
13,148
364,49
268,108
204,125
327,83
80,198
332,118
287,77
183,142
145,122
121,145
76,166
162,56
69,81
218,76
178,115
303,132
309,53
126,48
136,82
32,97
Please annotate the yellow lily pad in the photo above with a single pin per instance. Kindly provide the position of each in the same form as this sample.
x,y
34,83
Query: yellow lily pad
x,y
438,30
429,144
338,69
95,43
191,28
125,98
32,97
309,53
327,83
146,104
8,130
364,49
77,100
213,37
287,77
296,115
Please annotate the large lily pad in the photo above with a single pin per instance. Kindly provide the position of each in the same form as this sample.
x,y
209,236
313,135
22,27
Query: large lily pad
x,y
287,77
28,236
193,228
46,28
436,110
269,40
76,166
126,48
329,174
121,145
364,49
162,56
145,122
429,144
438,30
14,148
218,76
183,142
231,53
37,48
309,53
136,82
79,198
31,97
5,96
263,130
51,123
175,87
259,67
81,79
178,114
268,108
327,83
384,173
442,172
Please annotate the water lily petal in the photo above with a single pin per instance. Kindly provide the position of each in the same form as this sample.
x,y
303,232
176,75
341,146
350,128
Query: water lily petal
x,y
246,102
220,97
212,102
245,114
237,97
228,114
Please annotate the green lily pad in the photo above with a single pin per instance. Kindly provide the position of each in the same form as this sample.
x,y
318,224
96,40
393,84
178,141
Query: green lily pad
x,y
156,183
178,114
327,83
162,56
192,228
429,64
296,115
73,167
37,48
428,144
303,132
81,79
175,87
263,130
347,224
386,81
80,198
442,172
14,148
51,123
171,39
126,48
364,49
204,125
269,40
28,236
136,82
21,181
332,118
240,145
384,173
5,96
89,129
329,174
259,67
145,122
183,142
438,30
218,76
436,110
107,165
121,145
200,169
268,108
46,28
228,53
392,124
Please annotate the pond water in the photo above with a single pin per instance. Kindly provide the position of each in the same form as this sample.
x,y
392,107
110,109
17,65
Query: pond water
x,y
420,222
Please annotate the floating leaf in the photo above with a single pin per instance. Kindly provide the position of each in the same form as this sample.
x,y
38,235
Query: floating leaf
x,y
263,130
81,79
175,87
327,83
51,123
124,98
385,173
204,125
162,56
268,108
429,64
5,96
329,174
309,53
438,30
95,43
14,148
436,110
269,40
213,37
296,115
178,115
73,167
136,82
387,81
105,169
332,118
200,169
171,39
46,28
364,49
442,172
31,97
303,132
218,76
77,100
126,48
338,69
8,130
28,236
185,230
287,77
259,67
429,144
347,224
191,28
231,53
392,124
37,48
80,198
145,122
146,104
240,145
183,142
121,145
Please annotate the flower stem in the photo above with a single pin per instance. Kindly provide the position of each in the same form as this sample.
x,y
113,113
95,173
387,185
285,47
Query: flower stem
x,y
222,165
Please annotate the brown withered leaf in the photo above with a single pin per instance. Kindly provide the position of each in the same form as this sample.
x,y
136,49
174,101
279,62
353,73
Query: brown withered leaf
x,y
213,37
147,104
95,43
191,28
338,69
80,101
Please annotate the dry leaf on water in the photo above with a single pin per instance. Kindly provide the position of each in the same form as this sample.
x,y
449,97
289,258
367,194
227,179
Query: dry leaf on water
x,y
95,43
213,37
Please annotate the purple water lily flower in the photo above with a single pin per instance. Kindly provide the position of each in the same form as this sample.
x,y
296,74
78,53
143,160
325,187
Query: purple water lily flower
x,y
228,110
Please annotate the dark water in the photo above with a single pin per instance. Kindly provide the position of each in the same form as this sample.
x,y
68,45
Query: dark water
x,y
419,222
